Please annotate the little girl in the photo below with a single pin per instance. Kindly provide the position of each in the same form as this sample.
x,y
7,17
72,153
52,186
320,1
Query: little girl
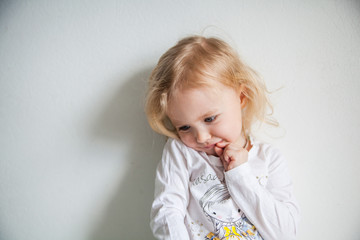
x,y
215,181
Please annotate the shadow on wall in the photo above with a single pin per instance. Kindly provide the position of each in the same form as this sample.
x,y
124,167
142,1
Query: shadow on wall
x,y
124,122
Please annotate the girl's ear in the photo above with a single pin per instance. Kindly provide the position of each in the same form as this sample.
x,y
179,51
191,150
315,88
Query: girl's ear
x,y
243,100
242,96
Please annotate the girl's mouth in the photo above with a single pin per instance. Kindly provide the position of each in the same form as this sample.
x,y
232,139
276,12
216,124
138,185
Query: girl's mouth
x,y
209,146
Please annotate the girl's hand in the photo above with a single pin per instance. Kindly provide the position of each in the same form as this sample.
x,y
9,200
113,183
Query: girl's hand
x,y
232,155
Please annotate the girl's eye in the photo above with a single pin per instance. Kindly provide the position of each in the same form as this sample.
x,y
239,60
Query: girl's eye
x,y
214,213
184,128
210,119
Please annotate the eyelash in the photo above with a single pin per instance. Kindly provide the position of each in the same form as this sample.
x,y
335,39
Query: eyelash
x,y
210,119
184,128
207,120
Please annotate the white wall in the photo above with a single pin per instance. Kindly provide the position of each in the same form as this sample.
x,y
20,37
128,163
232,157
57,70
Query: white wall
x,y
77,158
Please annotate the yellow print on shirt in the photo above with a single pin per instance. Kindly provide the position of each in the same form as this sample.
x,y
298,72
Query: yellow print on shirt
x,y
228,220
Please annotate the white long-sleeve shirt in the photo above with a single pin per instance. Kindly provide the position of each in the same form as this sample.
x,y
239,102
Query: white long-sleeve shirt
x,y
195,196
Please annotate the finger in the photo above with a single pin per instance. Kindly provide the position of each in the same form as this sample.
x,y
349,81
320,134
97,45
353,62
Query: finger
x,y
226,157
222,144
225,164
235,157
219,151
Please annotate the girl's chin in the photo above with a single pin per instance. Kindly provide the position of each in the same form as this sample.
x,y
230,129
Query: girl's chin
x,y
211,152
208,150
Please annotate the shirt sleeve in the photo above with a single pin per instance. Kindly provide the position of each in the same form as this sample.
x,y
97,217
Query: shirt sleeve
x,y
272,209
171,195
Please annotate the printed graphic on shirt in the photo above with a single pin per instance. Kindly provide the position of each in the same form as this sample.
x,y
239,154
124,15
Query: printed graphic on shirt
x,y
228,220
204,178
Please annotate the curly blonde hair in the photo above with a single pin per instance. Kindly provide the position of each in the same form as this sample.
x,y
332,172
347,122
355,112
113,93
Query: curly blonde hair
x,y
198,61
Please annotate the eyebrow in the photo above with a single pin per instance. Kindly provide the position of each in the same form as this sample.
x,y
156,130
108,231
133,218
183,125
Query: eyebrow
x,y
213,112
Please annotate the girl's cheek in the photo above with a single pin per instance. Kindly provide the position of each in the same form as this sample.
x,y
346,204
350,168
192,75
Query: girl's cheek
x,y
187,139
223,133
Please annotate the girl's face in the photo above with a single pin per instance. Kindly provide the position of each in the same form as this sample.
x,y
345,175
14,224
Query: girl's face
x,y
205,116
225,211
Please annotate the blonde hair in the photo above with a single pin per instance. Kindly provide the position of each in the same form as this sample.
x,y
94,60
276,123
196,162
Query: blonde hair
x,y
193,62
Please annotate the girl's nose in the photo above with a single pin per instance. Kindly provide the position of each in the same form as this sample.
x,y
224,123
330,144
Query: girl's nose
x,y
202,136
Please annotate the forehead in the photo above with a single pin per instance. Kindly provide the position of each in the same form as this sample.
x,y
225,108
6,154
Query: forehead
x,y
192,104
